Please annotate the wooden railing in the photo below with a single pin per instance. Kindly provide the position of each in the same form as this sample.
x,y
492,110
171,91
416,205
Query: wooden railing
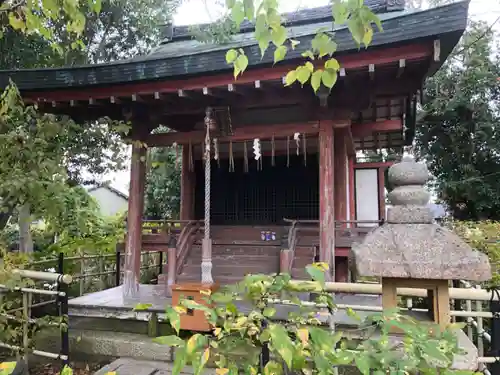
x,y
185,243
347,232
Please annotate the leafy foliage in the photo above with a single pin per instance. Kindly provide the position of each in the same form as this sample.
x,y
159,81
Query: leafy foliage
x,y
485,237
270,30
459,136
163,184
240,338
41,153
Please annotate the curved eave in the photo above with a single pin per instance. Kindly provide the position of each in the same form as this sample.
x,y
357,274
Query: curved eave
x,y
446,23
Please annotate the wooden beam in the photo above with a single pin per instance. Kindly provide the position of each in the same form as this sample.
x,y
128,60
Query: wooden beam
x,y
366,129
353,61
349,139
239,134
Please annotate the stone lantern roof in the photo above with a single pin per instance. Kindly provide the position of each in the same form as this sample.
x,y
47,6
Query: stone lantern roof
x,y
409,244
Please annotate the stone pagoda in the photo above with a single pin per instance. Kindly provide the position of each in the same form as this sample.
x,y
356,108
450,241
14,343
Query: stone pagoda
x,y
411,250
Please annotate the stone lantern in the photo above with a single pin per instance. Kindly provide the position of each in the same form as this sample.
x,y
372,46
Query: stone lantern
x,y
410,250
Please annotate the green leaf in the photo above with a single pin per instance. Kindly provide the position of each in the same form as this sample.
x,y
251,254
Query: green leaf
x,y
231,56
340,12
332,64
291,77
309,66
241,64
269,312
329,78
280,53
357,30
308,54
263,44
273,368
363,363
67,370
169,340
174,318
230,3
315,272
238,14
249,9
279,35
282,343
368,36
16,23
303,74
316,80
179,361
195,342
142,306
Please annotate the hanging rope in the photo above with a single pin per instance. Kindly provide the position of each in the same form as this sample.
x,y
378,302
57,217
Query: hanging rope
x,y
207,173
304,149
231,157
245,157
191,161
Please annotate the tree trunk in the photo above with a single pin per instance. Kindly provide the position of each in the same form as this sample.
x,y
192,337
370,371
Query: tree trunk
x,y
25,239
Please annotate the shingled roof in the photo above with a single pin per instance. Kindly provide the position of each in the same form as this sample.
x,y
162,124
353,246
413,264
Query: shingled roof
x,y
183,56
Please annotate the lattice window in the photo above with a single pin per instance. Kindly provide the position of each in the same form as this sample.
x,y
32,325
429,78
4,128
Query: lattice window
x,y
261,196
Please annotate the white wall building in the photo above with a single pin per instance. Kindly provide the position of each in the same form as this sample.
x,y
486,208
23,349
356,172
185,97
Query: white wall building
x,y
111,201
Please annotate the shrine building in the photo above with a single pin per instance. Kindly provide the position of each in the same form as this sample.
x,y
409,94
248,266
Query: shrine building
x,y
312,190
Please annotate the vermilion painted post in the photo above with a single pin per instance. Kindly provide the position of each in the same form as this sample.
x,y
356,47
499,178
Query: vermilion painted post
x,y
132,262
326,194
340,175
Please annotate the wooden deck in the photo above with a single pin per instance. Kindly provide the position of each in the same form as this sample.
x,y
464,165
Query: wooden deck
x,y
110,304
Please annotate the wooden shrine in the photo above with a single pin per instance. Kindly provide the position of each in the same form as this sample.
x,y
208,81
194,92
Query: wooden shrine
x,y
271,178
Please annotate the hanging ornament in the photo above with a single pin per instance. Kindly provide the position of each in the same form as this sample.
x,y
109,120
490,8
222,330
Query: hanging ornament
x,y
304,149
288,151
273,152
231,157
256,149
191,161
296,137
176,155
245,157
216,151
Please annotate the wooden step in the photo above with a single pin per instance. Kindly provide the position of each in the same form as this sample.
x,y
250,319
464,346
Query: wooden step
x,y
233,269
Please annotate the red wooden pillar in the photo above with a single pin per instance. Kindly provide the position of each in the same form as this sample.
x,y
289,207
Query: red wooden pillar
x,y
326,192
340,175
134,221
187,186
340,194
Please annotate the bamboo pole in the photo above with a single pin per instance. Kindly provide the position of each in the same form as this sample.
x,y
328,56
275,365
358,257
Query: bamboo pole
x,y
376,289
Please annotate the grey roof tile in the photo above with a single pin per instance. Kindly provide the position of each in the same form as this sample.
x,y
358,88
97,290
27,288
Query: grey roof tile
x,y
177,60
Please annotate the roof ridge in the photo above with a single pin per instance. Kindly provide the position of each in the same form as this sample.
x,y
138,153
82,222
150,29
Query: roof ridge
x,y
298,17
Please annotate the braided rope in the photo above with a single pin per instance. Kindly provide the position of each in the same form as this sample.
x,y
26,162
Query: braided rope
x,y
207,173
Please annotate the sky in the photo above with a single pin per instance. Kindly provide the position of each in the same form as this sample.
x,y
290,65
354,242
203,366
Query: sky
x,y
200,11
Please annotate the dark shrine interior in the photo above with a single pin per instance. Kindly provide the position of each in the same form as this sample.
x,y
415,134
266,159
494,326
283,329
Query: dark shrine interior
x,y
262,195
